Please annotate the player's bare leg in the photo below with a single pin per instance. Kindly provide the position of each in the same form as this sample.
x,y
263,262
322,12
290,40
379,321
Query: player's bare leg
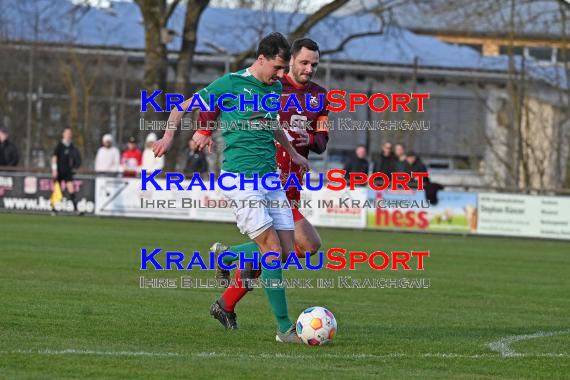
x,y
307,239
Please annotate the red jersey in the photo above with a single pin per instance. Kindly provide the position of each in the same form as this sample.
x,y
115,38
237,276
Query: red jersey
x,y
131,160
318,138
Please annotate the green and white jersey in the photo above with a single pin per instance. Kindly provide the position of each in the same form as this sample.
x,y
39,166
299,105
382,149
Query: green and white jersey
x,y
246,150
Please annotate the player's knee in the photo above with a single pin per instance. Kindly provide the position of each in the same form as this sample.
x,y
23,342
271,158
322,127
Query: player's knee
x,y
275,248
313,246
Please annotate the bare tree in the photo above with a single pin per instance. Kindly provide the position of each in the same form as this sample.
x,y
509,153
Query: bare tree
x,y
157,13
564,9
529,142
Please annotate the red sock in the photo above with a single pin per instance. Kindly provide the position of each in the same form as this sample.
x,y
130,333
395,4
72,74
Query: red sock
x,y
233,294
299,253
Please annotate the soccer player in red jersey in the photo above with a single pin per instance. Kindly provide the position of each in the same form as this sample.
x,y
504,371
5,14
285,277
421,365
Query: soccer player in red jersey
x,y
302,67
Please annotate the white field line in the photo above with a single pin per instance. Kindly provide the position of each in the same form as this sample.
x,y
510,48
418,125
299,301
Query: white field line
x,y
441,355
72,351
503,345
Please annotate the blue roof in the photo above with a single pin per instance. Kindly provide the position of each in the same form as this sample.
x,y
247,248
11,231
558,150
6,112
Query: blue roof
x,y
531,18
236,29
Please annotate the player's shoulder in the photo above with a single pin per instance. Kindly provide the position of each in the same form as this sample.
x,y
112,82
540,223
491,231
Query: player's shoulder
x,y
226,77
241,76
243,73
314,87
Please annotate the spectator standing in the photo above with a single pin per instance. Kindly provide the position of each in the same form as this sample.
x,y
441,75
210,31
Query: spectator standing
x,y
400,164
108,159
196,161
386,161
414,164
358,162
8,151
131,158
149,161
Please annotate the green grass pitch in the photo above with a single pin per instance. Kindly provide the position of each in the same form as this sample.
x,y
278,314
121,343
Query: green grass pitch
x,y
71,307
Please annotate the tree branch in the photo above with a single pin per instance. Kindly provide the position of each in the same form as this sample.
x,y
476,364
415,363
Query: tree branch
x,y
301,30
241,57
343,43
169,11
565,3
315,18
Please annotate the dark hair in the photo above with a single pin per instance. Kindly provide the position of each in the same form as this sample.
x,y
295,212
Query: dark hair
x,y
273,45
304,43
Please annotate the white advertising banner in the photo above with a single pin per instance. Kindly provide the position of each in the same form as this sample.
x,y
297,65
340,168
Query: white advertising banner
x,y
124,197
524,215
496,214
330,208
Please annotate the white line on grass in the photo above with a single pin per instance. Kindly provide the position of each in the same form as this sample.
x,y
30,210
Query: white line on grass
x,y
441,355
89,352
503,345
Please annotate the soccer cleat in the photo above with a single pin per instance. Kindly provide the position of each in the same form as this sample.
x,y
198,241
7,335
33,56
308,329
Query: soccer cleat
x,y
289,336
226,318
220,274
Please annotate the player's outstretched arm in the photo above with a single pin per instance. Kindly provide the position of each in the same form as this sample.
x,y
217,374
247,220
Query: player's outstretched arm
x,y
217,88
203,137
203,141
165,143
295,156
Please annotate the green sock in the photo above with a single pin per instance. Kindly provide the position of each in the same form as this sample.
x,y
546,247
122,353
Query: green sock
x,y
248,249
277,298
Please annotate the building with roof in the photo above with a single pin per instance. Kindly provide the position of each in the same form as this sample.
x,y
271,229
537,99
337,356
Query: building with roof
x,y
88,68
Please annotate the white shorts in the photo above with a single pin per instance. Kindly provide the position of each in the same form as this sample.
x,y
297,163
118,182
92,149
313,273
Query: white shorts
x,y
253,221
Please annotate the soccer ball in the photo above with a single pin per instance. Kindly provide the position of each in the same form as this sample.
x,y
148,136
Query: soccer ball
x,y
316,326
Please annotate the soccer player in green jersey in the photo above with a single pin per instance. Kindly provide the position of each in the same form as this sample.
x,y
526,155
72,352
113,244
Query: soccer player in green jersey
x,y
251,151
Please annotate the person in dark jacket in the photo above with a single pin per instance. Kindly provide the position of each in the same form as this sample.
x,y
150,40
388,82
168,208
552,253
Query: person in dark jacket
x,y
65,160
196,161
357,163
416,165
400,162
8,151
386,161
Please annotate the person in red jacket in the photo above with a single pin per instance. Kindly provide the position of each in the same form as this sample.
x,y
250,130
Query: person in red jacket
x,y
131,159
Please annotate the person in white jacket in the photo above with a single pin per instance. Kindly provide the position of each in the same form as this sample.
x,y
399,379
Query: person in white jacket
x,y
149,161
108,159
